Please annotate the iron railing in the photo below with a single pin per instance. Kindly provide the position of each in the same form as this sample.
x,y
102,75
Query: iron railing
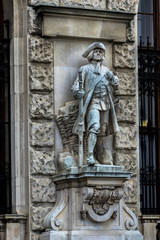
x,y
5,174
149,121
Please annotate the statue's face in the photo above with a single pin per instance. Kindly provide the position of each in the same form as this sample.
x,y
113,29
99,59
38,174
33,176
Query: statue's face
x,y
98,55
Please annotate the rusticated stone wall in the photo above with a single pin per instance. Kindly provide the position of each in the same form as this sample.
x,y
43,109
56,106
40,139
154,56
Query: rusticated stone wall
x,y
125,141
115,5
41,100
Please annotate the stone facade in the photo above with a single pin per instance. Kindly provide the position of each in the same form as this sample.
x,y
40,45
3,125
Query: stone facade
x,y
127,83
43,190
42,162
42,158
127,110
35,140
124,56
113,5
122,5
127,160
38,214
41,50
41,106
42,93
41,77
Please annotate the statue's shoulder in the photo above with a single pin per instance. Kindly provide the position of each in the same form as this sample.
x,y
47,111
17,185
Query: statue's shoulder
x,y
105,69
86,67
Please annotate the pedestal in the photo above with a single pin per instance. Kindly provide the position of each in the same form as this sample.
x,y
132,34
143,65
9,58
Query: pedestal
x,y
89,206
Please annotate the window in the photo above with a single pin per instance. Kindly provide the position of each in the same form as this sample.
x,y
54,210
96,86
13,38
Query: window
x,y
5,178
149,107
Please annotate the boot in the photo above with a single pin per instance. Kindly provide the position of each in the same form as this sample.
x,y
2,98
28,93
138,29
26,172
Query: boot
x,y
92,139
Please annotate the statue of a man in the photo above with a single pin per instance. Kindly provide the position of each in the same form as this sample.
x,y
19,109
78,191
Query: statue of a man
x,y
98,83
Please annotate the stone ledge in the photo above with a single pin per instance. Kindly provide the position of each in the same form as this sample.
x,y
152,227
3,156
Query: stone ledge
x,y
41,9
13,218
92,176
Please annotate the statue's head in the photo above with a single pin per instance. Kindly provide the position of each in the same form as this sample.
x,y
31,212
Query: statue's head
x,y
95,51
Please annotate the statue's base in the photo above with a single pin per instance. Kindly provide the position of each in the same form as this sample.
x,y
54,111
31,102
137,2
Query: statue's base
x,y
89,206
92,235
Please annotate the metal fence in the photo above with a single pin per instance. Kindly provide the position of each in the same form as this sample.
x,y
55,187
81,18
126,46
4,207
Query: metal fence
x,y
149,122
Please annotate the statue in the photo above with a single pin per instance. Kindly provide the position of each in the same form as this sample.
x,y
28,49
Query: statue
x,y
93,88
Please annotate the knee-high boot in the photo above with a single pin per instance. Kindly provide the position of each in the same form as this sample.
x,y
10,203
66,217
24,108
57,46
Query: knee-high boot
x,y
92,139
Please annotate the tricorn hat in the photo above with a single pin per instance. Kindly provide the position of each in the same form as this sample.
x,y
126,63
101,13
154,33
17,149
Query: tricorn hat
x,y
92,47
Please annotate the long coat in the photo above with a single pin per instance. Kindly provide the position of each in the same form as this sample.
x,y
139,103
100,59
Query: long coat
x,y
90,78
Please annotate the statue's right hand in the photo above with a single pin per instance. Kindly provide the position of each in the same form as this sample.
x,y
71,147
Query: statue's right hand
x,y
80,94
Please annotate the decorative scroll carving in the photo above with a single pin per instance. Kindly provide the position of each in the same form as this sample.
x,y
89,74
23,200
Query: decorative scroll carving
x,y
99,203
131,223
50,221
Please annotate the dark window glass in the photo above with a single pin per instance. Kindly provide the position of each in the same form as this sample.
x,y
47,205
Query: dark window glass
x,y
146,6
145,29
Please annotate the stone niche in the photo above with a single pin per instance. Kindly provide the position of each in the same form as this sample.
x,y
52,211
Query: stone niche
x,y
90,200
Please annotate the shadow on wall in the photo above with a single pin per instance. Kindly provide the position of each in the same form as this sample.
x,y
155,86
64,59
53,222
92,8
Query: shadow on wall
x,y
158,231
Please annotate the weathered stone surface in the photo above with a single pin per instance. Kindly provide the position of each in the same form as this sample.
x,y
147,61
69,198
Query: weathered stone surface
x,y
127,83
134,209
38,214
66,119
124,56
130,191
41,77
128,161
126,138
43,190
41,106
99,4
42,134
122,5
41,50
46,2
35,237
34,22
131,31
127,110
42,162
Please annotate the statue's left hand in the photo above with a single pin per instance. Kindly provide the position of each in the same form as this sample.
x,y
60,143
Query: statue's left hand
x,y
80,94
115,81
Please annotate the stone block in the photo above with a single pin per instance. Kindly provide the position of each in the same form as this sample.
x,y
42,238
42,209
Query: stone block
x,y
126,138
34,22
93,4
38,214
124,56
127,83
42,162
41,50
131,31
127,110
43,190
35,237
130,191
77,27
122,5
42,134
46,2
41,106
127,160
41,77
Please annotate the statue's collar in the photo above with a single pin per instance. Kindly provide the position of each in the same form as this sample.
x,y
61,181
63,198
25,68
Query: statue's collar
x,y
97,69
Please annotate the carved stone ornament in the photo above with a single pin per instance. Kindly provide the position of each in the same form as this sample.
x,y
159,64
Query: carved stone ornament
x,y
51,221
131,223
98,203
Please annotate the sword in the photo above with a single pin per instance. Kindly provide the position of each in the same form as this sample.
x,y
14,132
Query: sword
x,y
80,124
